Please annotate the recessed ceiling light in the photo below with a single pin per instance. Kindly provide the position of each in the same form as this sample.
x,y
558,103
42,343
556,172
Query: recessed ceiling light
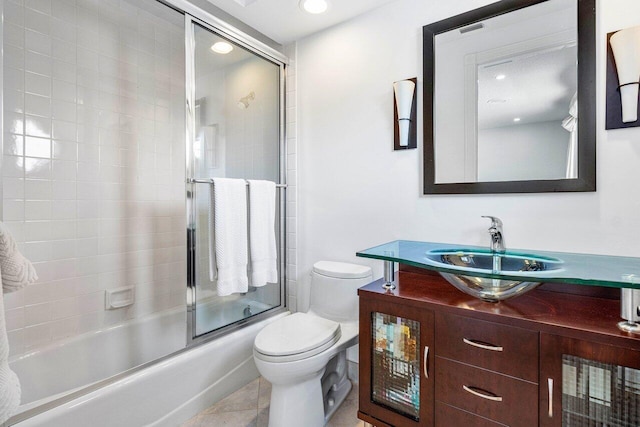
x,y
517,119
222,47
314,6
501,77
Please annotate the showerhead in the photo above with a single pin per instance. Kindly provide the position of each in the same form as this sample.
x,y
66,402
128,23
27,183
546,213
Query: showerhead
x,y
243,103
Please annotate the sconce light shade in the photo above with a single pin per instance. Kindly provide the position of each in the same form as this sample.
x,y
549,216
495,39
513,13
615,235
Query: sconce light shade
x,y
625,45
405,114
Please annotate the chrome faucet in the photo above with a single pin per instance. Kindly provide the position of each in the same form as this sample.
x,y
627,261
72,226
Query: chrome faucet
x,y
497,239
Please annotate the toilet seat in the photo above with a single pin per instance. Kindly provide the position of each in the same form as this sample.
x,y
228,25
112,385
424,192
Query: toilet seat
x,y
296,337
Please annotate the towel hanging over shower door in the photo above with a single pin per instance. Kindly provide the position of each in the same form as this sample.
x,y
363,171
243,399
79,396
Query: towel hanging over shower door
x,y
229,201
262,234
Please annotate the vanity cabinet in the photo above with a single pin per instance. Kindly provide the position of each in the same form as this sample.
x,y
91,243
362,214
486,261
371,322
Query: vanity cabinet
x,y
398,385
587,383
545,358
486,369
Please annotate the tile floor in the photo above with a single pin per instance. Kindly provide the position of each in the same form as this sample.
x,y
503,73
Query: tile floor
x,y
249,407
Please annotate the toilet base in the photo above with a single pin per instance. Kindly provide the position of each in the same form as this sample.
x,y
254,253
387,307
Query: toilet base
x,y
313,400
337,396
307,391
335,384
293,405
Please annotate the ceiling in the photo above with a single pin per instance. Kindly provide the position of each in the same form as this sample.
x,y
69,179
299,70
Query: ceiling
x,y
283,21
536,87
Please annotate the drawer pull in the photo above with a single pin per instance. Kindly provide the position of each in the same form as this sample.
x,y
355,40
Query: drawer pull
x,y
482,393
426,361
482,345
550,384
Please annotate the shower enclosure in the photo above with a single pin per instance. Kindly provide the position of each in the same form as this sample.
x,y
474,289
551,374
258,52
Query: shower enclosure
x,y
235,132
115,115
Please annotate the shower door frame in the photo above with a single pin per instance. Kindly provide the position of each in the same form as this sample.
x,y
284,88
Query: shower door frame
x,y
263,51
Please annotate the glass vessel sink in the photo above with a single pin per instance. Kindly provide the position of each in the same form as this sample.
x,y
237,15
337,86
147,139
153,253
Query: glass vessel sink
x,y
474,265
478,261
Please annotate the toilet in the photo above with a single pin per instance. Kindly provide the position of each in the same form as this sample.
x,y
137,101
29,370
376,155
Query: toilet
x,y
304,355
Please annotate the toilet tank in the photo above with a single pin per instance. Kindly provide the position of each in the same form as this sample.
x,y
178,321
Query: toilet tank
x,y
334,287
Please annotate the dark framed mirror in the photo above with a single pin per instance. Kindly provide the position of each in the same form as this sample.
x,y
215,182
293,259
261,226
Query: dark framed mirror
x,y
503,85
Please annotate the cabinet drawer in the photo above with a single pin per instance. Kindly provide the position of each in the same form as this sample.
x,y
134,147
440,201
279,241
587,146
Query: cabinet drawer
x,y
448,416
505,349
488,394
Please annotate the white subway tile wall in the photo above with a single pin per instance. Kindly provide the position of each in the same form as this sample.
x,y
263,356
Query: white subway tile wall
x,y
292,181
94,161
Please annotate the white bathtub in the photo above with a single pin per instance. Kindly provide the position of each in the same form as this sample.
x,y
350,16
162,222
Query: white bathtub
x,y
164,394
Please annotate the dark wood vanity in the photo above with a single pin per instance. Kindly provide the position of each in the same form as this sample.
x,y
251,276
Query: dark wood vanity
x,y
432,355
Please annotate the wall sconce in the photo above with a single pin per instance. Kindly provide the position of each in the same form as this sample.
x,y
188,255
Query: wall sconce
x,y
404,114
625,53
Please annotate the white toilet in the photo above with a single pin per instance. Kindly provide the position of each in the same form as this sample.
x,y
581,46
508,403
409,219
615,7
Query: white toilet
x,y
304,355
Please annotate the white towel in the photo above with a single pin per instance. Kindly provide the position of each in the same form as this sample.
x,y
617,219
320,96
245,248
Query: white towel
x,y
17,271
262,233
9,383
230,228
213,273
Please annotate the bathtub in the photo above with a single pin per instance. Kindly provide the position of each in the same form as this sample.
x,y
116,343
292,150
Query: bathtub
x,y
164,394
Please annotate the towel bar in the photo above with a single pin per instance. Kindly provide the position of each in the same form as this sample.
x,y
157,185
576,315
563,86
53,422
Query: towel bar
x,y
210,181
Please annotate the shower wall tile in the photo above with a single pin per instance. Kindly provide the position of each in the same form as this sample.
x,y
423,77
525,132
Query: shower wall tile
x,y
64,328
13,210
14,13
43,6
37,230
37,314
38,335
16,228
37,84
13,144
292,166
13,188
13,166
93,163
37,63
15,300
15,319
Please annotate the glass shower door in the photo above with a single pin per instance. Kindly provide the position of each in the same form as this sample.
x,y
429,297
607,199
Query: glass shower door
x,y
236,133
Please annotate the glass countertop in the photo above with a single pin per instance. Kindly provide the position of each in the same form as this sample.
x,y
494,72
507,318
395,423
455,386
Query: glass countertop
x,y
581,269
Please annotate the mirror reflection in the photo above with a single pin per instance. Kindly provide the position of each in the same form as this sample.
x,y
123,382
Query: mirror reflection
x,y
502,88
505,97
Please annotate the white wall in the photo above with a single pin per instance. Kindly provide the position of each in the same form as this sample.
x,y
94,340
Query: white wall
x,y
521,152
355,192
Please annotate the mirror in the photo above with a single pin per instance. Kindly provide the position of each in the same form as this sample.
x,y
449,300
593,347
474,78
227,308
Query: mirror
x,y
503,85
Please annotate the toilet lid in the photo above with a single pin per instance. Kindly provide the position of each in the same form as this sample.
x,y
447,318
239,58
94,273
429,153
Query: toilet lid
x,y
341,270
297,334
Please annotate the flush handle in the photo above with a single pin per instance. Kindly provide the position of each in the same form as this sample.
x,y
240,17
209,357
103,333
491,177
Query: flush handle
x,y
482,345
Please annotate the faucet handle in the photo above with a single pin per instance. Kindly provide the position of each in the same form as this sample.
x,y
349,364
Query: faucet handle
x,y
495,221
